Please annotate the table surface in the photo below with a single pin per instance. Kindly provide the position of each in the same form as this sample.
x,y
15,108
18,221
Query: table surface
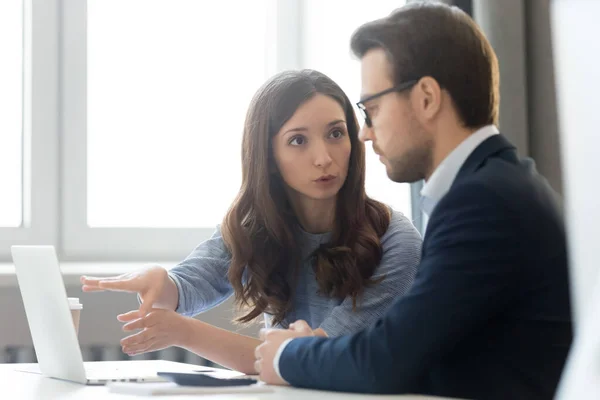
x,y
23,385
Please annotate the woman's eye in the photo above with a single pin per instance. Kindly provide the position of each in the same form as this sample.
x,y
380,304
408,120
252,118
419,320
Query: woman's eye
x,y
297,141
336,134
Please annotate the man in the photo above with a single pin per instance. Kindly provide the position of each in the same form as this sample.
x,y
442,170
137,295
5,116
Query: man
x,y
488,316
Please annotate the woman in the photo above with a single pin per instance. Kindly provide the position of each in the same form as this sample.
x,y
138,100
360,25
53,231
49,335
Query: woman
x,y
301,241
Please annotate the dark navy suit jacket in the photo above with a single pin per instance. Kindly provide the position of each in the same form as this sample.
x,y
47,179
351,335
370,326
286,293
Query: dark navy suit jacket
x,y
488,316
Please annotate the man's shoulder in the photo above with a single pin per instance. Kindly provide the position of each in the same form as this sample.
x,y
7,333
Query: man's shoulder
x,y
505,182
499,191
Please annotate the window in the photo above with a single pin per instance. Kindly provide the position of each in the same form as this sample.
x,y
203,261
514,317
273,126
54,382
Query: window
x,y
168,84
121,120
155,99
328,26
11,114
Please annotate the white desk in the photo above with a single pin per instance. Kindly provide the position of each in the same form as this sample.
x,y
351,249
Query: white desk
x,y
22,385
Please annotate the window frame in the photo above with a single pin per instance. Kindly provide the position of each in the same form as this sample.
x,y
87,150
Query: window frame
x,y
40,130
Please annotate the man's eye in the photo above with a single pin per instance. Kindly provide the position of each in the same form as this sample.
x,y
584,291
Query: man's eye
x,y
372,109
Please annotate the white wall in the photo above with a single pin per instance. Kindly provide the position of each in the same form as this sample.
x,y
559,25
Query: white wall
x,y
577,53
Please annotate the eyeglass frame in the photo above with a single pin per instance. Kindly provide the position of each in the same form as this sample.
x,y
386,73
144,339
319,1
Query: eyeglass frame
x,y
398,88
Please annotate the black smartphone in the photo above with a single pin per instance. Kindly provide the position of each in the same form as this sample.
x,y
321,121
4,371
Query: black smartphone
x,y
191,379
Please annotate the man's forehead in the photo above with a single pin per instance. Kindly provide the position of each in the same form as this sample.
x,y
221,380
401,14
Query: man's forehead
x,y
375,72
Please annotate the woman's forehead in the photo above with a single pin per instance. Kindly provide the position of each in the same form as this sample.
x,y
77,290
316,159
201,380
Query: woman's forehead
x,y
317,112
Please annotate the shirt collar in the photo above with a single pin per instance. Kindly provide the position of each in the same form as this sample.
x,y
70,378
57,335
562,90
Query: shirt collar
x,y
442,178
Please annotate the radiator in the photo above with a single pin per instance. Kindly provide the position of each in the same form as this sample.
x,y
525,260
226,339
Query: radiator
x,y
26,354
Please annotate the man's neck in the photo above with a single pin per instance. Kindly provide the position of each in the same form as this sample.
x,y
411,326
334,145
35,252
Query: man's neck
x,y
445,142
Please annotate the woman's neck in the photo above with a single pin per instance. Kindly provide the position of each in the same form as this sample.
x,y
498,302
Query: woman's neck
x,y
315,216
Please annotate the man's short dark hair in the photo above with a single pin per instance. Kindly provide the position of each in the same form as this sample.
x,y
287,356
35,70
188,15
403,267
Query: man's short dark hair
x,y
443,42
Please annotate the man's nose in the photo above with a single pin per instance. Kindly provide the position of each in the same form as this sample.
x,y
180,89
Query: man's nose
x,y
365,133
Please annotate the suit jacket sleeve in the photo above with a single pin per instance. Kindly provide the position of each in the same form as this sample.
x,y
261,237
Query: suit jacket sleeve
x,y
467,274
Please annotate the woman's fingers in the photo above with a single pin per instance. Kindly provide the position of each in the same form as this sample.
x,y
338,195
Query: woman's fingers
x,y
148,321
93,280
145,347
121,285
156,341
99,284
139,338
128,316
147,303
87,288
136,324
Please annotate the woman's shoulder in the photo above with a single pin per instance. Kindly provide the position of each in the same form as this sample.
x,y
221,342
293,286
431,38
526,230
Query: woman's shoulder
x,y
213,247
401,231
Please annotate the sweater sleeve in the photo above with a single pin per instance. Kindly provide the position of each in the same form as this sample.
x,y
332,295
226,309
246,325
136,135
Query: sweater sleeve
x,y
201,278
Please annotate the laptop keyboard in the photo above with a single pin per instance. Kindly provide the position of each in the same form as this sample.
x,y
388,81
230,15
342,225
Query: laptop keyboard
x,y
120,374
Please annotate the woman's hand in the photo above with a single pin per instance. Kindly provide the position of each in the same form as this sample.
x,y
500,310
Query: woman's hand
x,y
302,327
159,329
149,283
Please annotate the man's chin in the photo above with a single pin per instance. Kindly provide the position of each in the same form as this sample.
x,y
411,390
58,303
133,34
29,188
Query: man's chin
x,y
391,175
397,177
394,174
398,174
389,170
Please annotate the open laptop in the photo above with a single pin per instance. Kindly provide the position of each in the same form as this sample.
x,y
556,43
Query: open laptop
x,y
51,326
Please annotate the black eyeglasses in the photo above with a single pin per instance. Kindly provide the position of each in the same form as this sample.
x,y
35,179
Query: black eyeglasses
x,y
398,88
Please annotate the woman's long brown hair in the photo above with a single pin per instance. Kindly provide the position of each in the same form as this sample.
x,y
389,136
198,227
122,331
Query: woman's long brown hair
x,y
258,228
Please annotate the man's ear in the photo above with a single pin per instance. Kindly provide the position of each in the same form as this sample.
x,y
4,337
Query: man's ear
x,y
427,97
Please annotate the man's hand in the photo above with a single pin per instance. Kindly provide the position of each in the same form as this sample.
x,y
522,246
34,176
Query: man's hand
x,y
272,339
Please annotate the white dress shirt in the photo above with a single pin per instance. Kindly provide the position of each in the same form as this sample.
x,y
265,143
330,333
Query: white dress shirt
x,y
435,188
